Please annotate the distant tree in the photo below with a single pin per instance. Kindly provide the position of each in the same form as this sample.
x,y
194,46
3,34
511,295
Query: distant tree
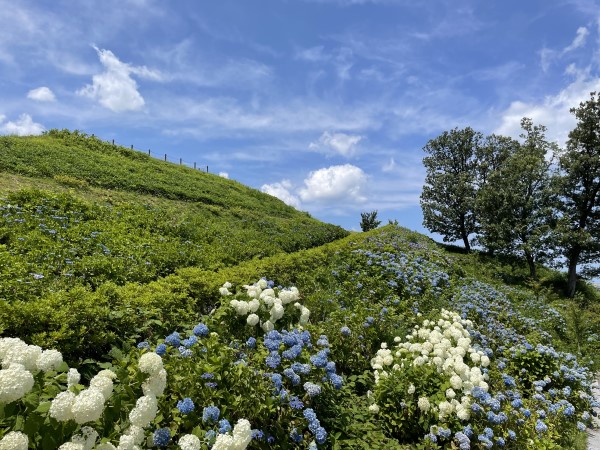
x,y
514,206
578,185
448,197
369,221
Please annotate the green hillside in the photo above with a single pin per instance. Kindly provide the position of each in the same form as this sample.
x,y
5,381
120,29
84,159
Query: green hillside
x,y
320,339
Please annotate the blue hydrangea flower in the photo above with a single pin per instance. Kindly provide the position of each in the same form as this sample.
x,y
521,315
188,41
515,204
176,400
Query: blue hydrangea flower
x,y
336,380
310,415
210,435
185,406
251,342
257,434
207,375
201,330
161,349
210,414
184,352
174,339
301,368
143,344
161,437
273,360
296,403
277,380
295,436
224,426
189,341
312,389
540,426
345,331
320,435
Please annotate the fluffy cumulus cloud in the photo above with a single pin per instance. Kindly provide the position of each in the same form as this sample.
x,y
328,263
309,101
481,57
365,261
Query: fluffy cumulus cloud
x,y
337,143
334,184
282,191
553,110
114,88
224,174
23,126
41,94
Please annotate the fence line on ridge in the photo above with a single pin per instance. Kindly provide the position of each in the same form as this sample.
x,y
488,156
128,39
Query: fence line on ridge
x,y
160,156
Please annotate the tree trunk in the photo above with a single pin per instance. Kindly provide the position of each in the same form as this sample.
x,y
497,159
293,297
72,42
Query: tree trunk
x,y
572,278
531,264
464,235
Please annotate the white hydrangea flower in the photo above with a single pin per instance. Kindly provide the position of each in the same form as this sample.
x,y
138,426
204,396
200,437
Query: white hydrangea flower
x,y
450,393
242,435
14,440
144,412
424,404
242,308
106,446
268,326
156,384
223,442
224,291
374,408
6,343
21,353
227,285
189,442
88,406
15,382
411,389
137,433
71,446
150,363
60,408
87,437
73,377
253,291
252,319
126,442
277,312
304,315
262,283
104,384
49,360
253,305
267,293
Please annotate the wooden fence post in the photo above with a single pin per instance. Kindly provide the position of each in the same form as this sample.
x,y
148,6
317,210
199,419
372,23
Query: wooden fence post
x,y
194,165
113,142
180,161
206,169
165,157
148,152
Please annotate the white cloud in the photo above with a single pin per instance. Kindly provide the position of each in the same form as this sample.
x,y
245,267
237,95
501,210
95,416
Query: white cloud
x,y
552,111
547,55
114,88
224,174
340,143
390,166
334,184
313,54
41,94
282,191
23,126
579,41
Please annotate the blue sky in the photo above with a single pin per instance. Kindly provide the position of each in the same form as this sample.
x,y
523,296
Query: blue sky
x,y
326,104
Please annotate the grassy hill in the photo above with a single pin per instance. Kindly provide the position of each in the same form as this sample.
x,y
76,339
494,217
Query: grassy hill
x,y
391,341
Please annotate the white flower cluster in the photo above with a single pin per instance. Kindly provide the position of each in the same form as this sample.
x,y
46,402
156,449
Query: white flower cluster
x,y
189,442
88,405
445,345
20,362
86,440
266,299
14,440
238,440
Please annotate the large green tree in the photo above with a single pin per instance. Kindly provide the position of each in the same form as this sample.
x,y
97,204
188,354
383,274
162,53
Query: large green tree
x,y
514,206
448,197
578,185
